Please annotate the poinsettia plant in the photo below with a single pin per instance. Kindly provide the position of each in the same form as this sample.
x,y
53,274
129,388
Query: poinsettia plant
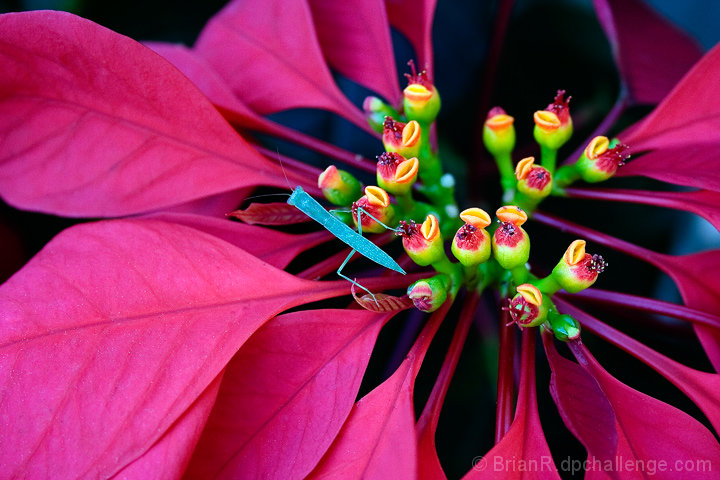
x,y
196,332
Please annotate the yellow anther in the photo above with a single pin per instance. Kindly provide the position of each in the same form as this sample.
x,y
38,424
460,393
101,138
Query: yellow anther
x,y
524,167
575,252
511,214
597,147
476,217
407,170
417,93
530,293
499,122
546,120
430,228
411,134
377,196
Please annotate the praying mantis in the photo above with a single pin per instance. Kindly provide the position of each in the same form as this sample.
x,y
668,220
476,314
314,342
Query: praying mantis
x,y
301,200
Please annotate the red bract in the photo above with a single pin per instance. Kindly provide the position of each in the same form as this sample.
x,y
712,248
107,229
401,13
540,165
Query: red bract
x,y
156,347
108,129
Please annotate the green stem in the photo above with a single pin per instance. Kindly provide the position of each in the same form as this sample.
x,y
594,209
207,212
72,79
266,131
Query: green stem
x,y
452,270
566,175
507,173
406,205
520,274
548,285
528,204
548,158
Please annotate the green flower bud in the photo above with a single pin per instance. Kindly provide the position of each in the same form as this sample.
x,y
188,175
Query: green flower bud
x,y
553,126
395,174
429,294
471,244
376,202
423,243
339,186
499,132
577,270
421,100
376,110
534,181
564,327
528,308
601,159
402,138
510,243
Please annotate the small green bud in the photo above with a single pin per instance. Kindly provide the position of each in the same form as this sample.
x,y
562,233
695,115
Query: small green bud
x,y
339,186
376,110
429,294
564,327
499,132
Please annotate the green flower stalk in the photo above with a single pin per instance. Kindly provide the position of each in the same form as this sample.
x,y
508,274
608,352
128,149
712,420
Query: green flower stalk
x,y
499,139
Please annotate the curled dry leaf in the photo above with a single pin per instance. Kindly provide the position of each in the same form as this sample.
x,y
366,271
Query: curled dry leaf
x,y
382,302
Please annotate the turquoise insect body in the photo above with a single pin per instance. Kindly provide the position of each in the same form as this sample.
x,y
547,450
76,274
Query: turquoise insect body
x,y
310,207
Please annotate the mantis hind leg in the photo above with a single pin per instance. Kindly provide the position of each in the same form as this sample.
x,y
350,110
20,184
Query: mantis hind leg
x,y
360,211
340,274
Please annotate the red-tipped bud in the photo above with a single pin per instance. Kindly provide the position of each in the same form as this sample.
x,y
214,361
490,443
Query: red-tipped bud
x,y
510,242
528,308
534,181
396,174
471,244
421,100
339,186
553,126
376,110
403,138
376,202
429,294
601,159
499,132
577,270
423,243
